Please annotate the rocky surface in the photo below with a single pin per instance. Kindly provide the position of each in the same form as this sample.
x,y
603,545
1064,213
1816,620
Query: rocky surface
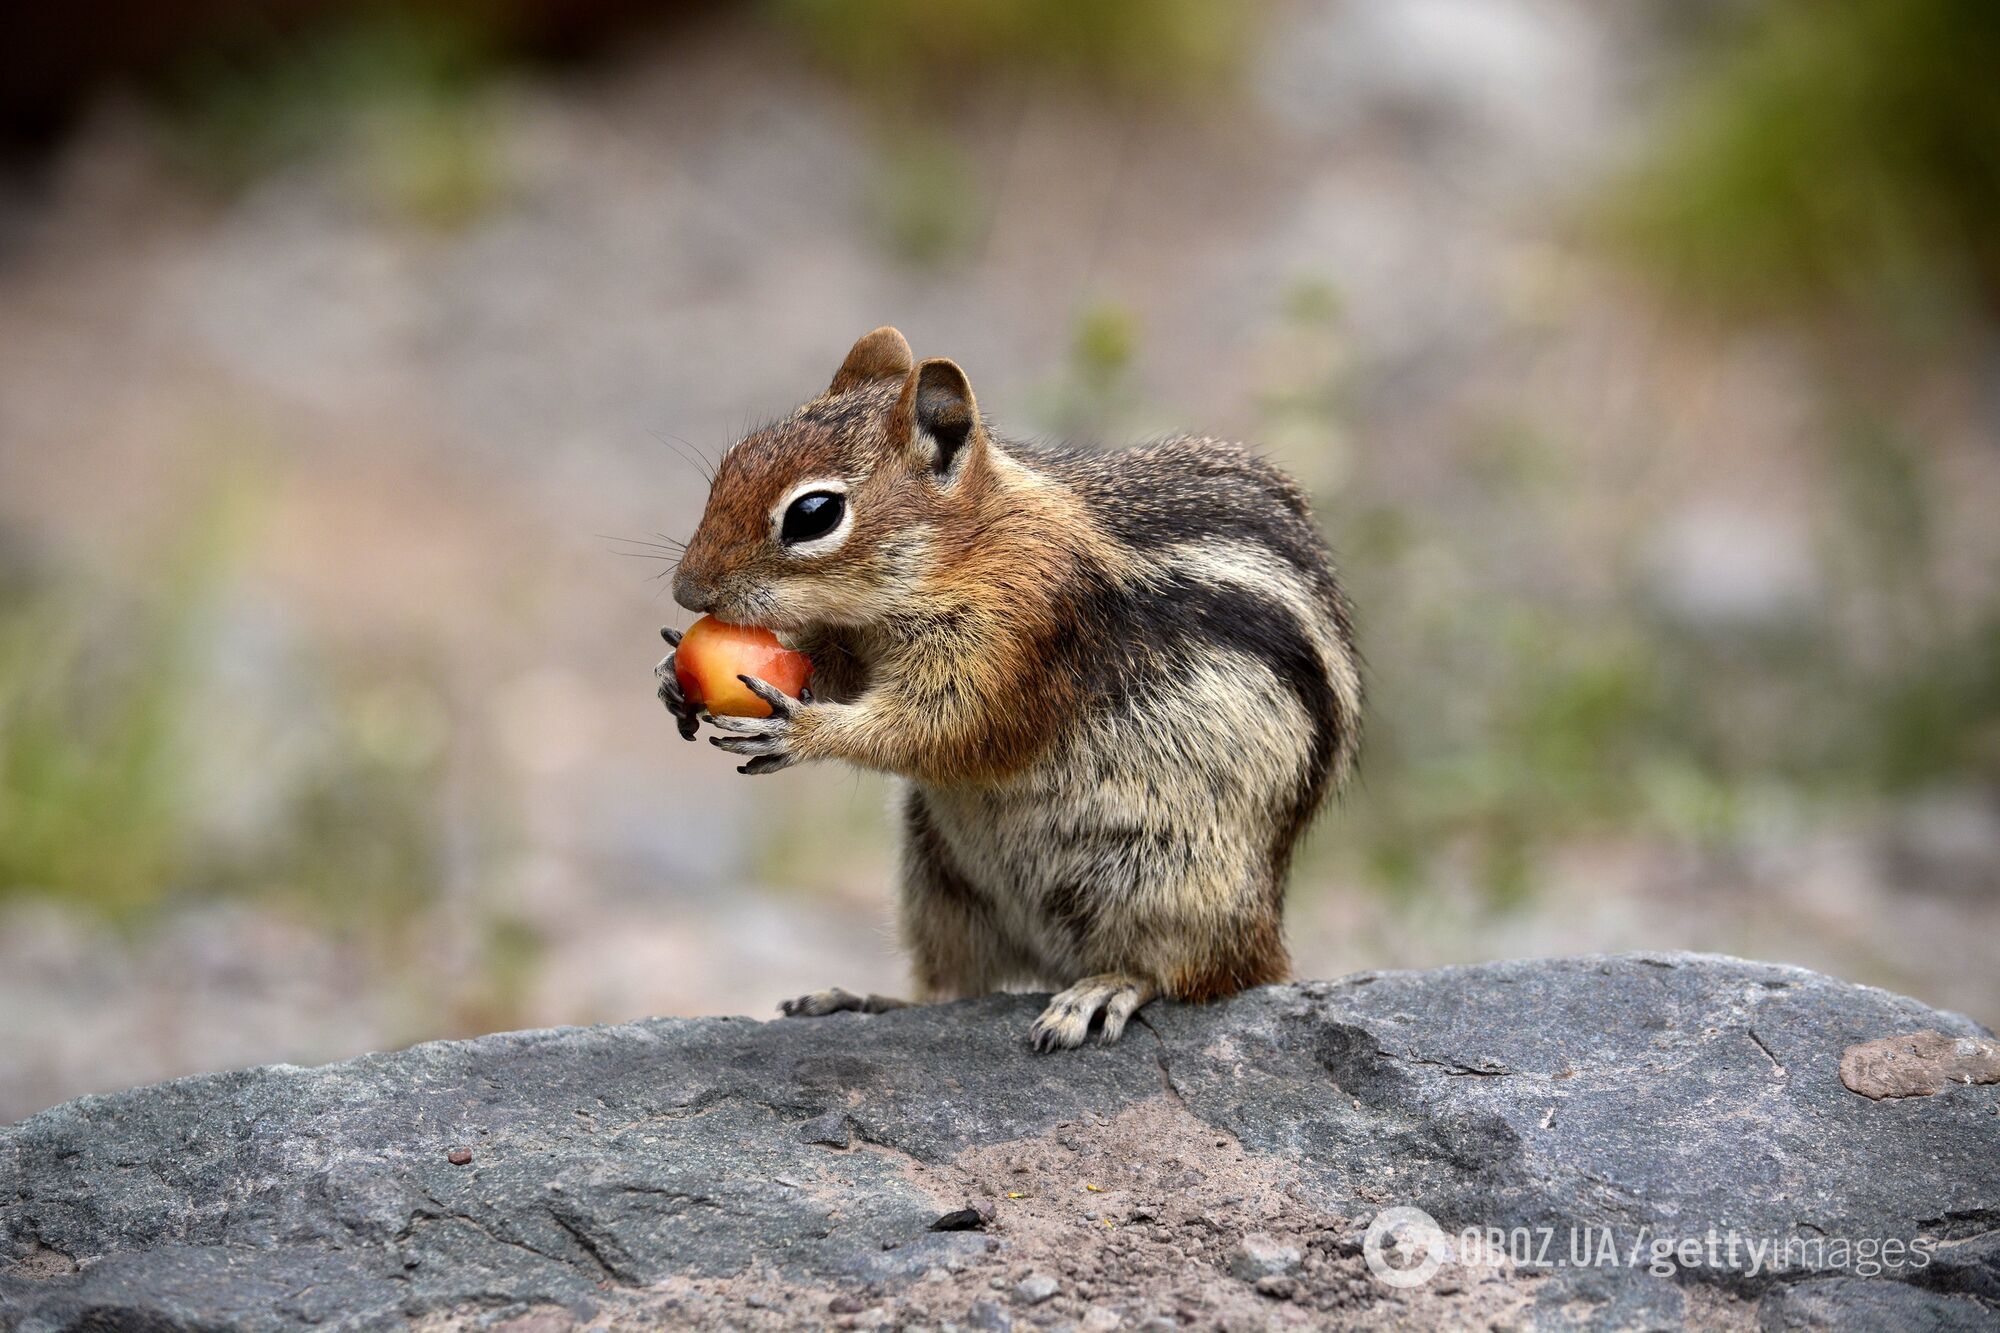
x,y
1219,1168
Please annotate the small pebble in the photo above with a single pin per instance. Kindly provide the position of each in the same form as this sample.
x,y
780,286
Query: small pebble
x,y
1036,1288
846,1303
988,1317
1259,1256
1277,1288
833,1129
459,1156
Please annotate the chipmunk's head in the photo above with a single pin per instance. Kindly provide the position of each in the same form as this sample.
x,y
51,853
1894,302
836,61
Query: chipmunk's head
x,y
839,514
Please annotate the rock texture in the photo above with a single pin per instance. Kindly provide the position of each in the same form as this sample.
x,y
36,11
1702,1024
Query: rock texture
x,y
723,1172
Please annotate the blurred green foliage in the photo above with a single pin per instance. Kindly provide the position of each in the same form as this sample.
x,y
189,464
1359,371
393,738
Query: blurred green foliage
x,y
907,61
1512,716
913,49
1094,397
90,806
400,91
928,200
495,994
1912,663
1103,344
1835,153
104,732
358,842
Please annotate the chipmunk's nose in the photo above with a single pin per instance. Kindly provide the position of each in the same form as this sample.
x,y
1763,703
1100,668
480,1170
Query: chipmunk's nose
x,y
693,591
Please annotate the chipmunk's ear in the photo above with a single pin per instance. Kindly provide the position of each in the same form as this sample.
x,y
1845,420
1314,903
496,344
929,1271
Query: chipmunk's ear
x,y
938,417
881,355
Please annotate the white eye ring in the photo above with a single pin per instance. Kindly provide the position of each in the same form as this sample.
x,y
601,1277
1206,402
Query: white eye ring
x,y
825,542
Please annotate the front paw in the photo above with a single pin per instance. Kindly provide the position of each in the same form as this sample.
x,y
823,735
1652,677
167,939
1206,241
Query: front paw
x,y
771,742
667,685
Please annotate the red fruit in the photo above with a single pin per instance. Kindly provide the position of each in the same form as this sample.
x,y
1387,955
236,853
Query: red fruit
x,y
712,654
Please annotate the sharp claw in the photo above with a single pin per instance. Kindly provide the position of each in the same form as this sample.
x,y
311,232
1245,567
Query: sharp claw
x,y
671,635
780,702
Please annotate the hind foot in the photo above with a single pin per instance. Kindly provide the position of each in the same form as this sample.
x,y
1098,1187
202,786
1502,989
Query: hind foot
x,y
1066,1022
834,1000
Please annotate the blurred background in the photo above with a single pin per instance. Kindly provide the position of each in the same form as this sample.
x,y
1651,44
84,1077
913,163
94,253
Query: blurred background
x,y
1641,358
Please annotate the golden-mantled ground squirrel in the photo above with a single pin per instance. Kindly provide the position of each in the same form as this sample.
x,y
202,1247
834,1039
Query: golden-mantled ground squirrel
x,y
1118,685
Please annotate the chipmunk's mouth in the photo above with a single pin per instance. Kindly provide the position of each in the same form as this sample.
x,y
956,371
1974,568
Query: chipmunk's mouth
x,y
792,614
789,630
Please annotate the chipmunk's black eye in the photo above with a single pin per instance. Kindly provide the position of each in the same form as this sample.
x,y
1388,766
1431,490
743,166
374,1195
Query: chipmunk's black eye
x,y
812,516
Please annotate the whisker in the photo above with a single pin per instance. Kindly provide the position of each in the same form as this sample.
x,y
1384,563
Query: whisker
x,y
690,455
713,461
666,544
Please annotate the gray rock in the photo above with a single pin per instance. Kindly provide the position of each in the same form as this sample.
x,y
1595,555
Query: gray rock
x,y
833,1129
1834,1305
1620,1298
1036,1288
1277,1287
1258,1255
1645,1096
1664,1092
989,1316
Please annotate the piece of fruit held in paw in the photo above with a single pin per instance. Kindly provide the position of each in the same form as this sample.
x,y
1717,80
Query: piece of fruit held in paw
x,y
712,654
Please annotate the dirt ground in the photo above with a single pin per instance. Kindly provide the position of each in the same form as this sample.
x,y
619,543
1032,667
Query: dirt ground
x,y
1136,1222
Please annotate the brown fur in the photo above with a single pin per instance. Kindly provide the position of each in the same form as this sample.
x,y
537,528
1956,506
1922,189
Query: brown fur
x,y
1257,957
